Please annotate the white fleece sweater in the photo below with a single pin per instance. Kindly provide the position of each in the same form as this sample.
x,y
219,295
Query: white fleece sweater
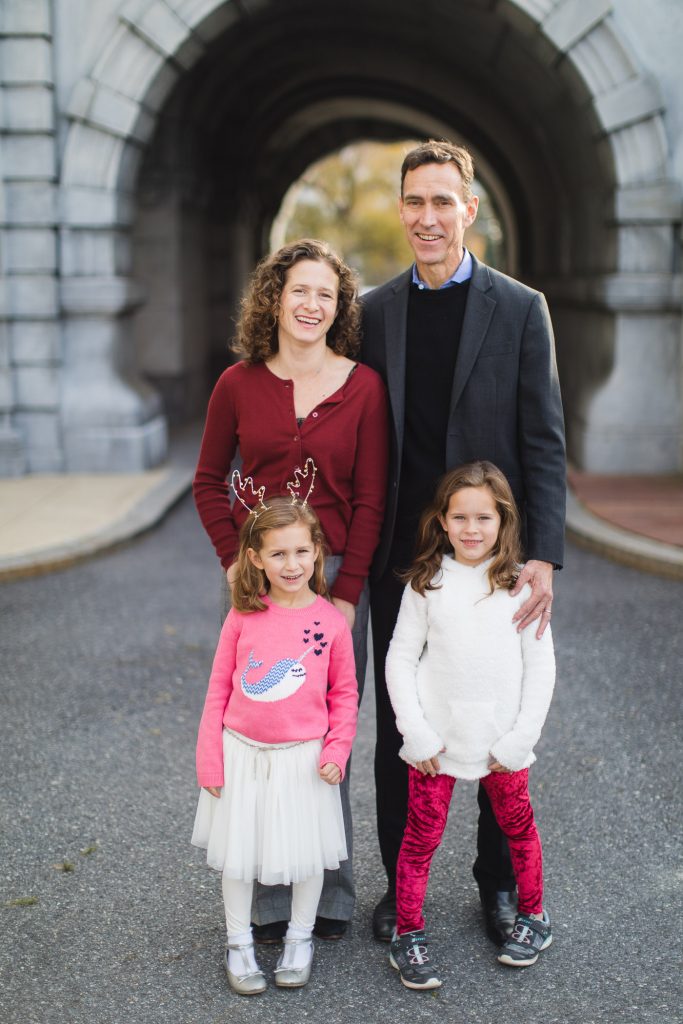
x,y
461,677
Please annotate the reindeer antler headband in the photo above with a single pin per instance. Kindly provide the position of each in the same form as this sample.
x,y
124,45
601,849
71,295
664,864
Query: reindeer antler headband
x,y
294,487
240,487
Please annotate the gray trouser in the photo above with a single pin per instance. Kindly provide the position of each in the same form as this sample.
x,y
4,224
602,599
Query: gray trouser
x,y
272,902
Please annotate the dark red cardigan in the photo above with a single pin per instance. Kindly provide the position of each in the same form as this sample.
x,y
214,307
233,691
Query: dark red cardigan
x,y
346,435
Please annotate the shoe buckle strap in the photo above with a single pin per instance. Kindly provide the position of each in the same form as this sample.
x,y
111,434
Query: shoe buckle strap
x,y
417,954
522,934
528,931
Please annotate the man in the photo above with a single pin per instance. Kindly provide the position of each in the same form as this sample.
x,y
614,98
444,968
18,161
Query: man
x,y
468,358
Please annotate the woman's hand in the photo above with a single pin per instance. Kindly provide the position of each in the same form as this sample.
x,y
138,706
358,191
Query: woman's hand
x,y
231,575
213,790
330,773
347,609
496,766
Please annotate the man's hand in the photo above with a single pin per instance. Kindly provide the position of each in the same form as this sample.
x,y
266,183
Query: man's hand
x,y
330,773
347,609
539,575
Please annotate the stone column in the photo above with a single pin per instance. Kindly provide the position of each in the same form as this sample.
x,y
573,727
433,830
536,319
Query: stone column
x,y
112,419
30,432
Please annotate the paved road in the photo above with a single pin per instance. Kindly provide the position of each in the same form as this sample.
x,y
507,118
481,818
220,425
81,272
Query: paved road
x,y
103,676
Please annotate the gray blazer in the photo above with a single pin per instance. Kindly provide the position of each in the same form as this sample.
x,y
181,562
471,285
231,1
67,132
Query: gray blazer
x,y
505,401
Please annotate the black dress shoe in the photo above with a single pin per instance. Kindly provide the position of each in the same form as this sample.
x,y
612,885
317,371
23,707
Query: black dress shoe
x,y
500,909
269,934
384,916
329,928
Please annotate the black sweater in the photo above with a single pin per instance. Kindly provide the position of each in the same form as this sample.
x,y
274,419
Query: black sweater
x,y
434,326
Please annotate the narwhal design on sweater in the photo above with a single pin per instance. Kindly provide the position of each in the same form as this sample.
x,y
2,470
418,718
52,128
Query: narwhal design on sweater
x,y
286,676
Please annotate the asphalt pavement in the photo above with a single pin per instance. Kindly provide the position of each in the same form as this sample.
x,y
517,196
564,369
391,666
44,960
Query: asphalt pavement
x,y
108,914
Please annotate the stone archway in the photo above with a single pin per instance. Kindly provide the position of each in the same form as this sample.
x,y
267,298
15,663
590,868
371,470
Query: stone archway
x,y
547,93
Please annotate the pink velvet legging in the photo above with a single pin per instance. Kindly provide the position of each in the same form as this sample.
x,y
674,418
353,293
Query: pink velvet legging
x,y
429,798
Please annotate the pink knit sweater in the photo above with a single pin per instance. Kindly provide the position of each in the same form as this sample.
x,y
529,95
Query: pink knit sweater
x,y
281,675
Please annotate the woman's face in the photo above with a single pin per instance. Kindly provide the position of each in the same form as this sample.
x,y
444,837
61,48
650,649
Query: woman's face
x,y
308,304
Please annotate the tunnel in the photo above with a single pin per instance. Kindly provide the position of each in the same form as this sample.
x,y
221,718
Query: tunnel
x,y
245,95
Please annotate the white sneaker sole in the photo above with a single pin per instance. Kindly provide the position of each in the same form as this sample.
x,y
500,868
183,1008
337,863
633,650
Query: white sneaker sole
x,y
429,984
509,961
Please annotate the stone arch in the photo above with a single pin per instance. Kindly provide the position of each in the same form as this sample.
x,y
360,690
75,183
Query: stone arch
x,y
604,290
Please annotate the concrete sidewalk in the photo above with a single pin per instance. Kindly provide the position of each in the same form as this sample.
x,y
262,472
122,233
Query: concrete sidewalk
x,y
48,522
51,521
634,520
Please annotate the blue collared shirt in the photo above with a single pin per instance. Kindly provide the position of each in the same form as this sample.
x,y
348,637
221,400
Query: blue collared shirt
x,y
463,273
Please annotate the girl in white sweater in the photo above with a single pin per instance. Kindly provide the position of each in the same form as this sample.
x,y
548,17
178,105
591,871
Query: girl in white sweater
x,y
470,695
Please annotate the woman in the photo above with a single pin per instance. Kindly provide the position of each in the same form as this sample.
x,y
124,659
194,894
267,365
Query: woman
x,y
298,393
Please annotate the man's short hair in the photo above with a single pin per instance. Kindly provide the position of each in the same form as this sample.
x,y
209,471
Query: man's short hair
x,y
441,152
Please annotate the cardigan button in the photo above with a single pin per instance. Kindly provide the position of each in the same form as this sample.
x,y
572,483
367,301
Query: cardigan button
x,y
315,415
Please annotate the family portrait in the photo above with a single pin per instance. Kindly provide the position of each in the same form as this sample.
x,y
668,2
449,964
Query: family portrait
x,y
341,474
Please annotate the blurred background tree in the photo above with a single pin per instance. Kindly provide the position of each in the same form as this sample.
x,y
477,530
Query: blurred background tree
x,y
350,199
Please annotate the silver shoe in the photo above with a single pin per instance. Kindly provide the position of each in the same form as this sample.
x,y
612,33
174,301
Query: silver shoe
x,y
249,983
293,977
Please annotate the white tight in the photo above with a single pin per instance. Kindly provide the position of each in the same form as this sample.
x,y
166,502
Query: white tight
x,y
237,899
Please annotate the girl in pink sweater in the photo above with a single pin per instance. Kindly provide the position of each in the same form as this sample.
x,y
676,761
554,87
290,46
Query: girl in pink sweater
x,y
275,735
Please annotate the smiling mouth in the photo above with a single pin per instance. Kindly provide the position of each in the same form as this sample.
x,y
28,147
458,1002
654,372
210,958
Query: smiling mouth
x,y
428,238
308,321
292,579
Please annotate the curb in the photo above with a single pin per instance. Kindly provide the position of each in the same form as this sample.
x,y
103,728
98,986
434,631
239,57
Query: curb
x,y
149,511
597,535
583,527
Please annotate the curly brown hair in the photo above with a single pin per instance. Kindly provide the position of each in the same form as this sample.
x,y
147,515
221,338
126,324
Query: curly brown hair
x,y
432,539
250,581
257,328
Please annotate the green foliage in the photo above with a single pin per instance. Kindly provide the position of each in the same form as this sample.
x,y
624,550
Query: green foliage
x,y
350,199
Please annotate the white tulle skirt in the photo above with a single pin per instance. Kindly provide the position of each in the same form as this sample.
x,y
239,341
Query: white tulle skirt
x,y
276,820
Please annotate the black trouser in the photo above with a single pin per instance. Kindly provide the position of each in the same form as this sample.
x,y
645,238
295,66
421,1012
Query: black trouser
x,y
492,868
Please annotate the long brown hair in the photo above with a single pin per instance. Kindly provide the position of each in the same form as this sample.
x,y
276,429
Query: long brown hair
x,y
257,328
250,581
432,539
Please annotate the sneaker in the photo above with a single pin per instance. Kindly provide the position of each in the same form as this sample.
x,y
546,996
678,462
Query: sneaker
x,y
528,938
410,958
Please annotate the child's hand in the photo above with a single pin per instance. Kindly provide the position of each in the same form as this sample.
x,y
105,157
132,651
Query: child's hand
x,y
496,766
213,790
429,767
330,774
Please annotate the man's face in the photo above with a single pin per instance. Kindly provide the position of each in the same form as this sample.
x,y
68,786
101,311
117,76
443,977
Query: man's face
x,y
436,216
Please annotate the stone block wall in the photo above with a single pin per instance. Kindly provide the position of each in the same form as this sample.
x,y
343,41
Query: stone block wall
x,y
30,437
